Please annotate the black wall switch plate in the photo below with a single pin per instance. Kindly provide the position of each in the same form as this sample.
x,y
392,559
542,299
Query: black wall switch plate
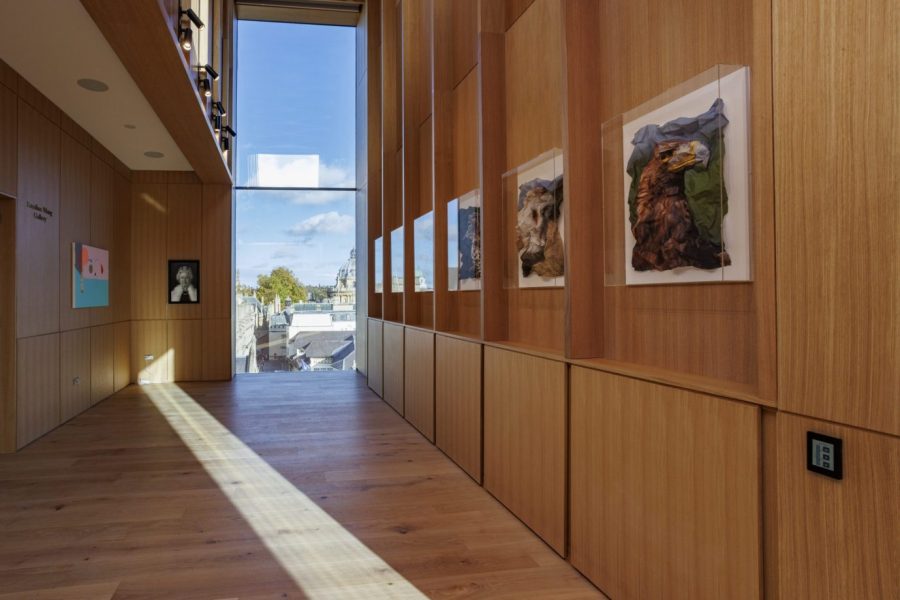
x,y
825,455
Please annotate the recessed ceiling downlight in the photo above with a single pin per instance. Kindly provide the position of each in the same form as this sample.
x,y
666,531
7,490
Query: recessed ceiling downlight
x,y
93,85
153,154
130,126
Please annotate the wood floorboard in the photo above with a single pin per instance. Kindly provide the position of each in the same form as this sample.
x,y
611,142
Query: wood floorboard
x,y
117,505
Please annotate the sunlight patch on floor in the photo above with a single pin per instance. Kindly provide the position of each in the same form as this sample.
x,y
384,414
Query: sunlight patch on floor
x,y
324,559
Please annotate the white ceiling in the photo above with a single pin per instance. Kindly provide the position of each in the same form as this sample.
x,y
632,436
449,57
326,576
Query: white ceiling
x,y
53,44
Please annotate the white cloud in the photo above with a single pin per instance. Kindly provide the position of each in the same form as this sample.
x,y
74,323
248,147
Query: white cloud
x,y
300,170
287,170
330,222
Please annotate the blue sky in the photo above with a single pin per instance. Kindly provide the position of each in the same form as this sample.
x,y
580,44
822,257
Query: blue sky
x,y
296,115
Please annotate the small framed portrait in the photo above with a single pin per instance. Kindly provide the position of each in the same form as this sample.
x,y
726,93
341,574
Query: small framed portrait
x,y
184,281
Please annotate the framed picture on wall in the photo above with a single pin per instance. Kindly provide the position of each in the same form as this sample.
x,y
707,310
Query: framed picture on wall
x,y
90,276
686,172
184,281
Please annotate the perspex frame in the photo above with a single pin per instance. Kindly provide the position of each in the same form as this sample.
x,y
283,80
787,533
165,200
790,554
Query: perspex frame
x,y
676,185
533,224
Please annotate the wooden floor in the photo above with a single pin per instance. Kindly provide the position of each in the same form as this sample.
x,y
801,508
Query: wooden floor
x,y
117,504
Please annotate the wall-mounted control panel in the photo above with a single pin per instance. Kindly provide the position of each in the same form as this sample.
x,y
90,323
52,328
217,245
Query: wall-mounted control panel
x,y
825,455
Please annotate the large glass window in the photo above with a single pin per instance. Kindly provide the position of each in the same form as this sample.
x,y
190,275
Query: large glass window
x,y
295,205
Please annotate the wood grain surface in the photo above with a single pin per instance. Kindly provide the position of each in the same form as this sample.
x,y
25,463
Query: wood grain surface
x,y
418,380
665,490
525,440
838,283
457,401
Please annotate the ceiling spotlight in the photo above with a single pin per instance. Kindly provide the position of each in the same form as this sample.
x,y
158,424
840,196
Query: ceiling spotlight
x,y
92,85
230,131
226,144
153,154
190,14
214,75
218,106
217,123
205,88
187,38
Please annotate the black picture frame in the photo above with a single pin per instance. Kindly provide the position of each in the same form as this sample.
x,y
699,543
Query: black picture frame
x,y
174,292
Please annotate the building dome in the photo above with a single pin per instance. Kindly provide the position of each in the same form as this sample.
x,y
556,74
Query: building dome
x,y
346,275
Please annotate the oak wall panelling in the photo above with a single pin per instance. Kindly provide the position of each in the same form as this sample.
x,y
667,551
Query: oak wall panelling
x,y
37,404
376,356
8,143
533,114
103,362
838,539
74,373
216,266
418,377
723,332
393,362
74,225
120,260
184,240
665,490
37,230
149,281
525,440
838,303
7,323
186,349
149,351
103,189
457,402
122,355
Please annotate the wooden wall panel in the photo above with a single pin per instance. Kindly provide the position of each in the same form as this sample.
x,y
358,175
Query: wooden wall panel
x,y
838,539
464,35
74,373
186,350
534,64
37,387
120,257
393,366
8,143
418,374
103,197
215,265
74,225
658,326
465,136
218,350
665,490
37,239
184,233
122,358
457,371
149,350
7,323
376,356
149,281
514,10
838,302
525,439
103,360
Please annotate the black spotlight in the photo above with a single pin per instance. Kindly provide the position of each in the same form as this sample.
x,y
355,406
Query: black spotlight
x,y
226,144
187,38
230,131
218,106
205,88
190,14
213,74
